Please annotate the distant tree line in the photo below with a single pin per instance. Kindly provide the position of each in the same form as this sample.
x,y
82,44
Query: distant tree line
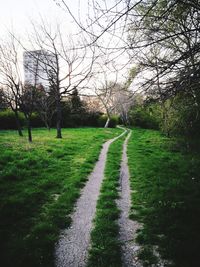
x,y
166,36
163,39
68,71
75,113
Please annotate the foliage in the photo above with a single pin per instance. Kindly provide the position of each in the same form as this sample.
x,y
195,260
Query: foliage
x,y
39,185
169,33
165,198
77,106
36,120
113,121
185,119
176,116
45,105
3,102
92,119
131,76
82,117
148,116
8,120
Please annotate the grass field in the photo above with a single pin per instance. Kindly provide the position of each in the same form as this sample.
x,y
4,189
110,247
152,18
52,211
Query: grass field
x,y
165,181
105,248
39,184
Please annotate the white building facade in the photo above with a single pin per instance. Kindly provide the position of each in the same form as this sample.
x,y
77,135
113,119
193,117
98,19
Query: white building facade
x,y
39,68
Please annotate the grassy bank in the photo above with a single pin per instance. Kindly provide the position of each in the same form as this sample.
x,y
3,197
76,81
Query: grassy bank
x,y
166,198
39,184
105,250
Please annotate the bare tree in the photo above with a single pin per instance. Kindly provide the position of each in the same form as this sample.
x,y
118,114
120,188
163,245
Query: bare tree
x,y
11,77
45,106
69,68
27,105
137,25
124,99
114,96
19,95
106,96
3,101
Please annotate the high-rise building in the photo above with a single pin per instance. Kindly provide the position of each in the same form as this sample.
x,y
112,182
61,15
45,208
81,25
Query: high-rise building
x,y
39,68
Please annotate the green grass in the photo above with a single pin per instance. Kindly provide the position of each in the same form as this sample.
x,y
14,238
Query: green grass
x,y
105,249
166,198
39,184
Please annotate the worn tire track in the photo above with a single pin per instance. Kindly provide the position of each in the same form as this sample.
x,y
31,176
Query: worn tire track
x,y
72,248
127,227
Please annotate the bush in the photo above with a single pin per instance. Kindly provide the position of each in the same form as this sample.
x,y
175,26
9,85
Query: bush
x,y
8,121
185,119
113,121
144,117
36,120
90,119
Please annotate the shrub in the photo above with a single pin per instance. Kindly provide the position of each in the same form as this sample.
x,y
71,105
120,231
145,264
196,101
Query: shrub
x,y
36,120
77,120
185,119
113,121
92,119
144,117
8,121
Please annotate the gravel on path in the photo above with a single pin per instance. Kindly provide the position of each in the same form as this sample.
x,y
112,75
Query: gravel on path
x,y
127,227
72,248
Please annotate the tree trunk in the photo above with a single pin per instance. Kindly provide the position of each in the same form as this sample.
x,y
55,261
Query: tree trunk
x,y
47,126
59,119
29,131
107,123
19,128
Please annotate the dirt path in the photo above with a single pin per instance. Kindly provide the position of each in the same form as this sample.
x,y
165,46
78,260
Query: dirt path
x,y
127,227
72,248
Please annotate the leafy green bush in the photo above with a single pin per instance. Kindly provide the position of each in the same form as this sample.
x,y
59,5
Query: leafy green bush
x,y
8,121
176,116
113,121
92,119
185,119
145,117
36,120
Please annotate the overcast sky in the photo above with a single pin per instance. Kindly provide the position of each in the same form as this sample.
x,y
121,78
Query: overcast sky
x,y
18,13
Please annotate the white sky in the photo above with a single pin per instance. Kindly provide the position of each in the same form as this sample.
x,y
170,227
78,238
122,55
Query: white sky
x,y
15,15
18,13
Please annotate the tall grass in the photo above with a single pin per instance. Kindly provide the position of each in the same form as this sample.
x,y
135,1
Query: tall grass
x,y
166,198
39,184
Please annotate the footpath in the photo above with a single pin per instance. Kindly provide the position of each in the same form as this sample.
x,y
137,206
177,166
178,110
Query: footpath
x,y
73,245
